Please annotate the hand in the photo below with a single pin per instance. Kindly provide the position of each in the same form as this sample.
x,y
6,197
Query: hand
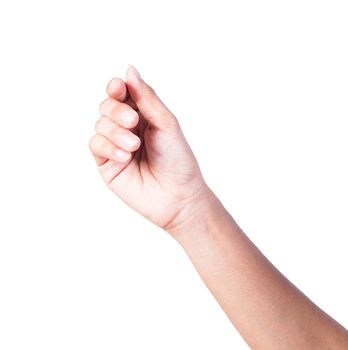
x,y
142,154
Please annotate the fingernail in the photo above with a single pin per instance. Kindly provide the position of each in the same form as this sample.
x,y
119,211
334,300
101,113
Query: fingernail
x,y
128,116
122,155
129,141
136,73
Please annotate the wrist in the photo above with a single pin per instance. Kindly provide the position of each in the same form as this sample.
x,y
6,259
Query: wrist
x,y
202,216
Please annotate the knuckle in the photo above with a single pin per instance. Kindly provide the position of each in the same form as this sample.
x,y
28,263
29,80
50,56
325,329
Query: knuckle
x,y
92,144
171,124
96,125
175,122
99,145
106,106
99,124
102,105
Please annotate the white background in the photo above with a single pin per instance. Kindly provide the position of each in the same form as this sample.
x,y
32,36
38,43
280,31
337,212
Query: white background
x,y
260,88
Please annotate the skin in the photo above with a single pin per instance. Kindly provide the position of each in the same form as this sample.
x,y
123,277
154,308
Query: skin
x,y
156,174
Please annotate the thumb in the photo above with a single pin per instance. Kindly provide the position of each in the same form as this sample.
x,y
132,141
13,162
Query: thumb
x,y
148,103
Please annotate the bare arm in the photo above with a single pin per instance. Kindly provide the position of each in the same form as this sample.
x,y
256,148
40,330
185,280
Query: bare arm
x,y
267,310
144,158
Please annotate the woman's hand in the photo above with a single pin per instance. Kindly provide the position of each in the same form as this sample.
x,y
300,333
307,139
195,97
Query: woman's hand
x,y
156,173
142,154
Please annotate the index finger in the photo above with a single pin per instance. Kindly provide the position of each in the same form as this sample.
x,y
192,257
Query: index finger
x,y
117,89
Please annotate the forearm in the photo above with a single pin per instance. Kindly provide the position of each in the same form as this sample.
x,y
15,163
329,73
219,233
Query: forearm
x,y
268,310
